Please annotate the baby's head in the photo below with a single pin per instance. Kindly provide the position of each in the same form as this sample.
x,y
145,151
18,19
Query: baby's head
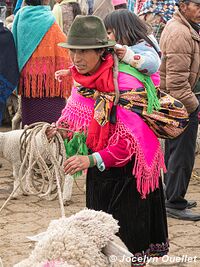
x,y
125,27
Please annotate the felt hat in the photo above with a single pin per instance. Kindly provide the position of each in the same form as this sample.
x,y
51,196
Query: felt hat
x,y
193,1
87,32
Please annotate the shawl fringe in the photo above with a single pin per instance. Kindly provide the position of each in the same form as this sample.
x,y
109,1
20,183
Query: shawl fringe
x,y
37,78
147,176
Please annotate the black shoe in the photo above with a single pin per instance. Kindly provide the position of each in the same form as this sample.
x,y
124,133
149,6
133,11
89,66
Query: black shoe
x,y
185,214
191,204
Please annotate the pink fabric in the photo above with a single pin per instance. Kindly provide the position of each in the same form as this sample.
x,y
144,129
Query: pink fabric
x,y
115,155
118,2
131,137
124,79
77,113
135,124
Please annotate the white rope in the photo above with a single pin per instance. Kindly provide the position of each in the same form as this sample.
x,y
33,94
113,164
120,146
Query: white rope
x,y
1,262
41,171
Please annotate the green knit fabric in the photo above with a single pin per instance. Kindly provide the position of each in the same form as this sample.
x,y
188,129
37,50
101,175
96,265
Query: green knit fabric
x,y
153,101
76,146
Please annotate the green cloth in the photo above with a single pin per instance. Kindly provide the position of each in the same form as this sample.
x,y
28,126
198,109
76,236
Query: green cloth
x,y
29,27
153,101
76,146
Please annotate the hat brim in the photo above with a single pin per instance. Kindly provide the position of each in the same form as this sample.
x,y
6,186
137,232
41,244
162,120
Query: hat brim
x,y
66,45
195,1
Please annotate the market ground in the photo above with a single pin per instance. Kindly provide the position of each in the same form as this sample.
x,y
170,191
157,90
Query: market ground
x,y
30,215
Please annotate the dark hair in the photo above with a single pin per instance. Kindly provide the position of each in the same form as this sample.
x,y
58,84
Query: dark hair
x,y
128,28
33,2
121,6
75,8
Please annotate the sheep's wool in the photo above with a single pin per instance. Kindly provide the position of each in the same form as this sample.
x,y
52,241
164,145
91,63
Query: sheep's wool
x,y
75,241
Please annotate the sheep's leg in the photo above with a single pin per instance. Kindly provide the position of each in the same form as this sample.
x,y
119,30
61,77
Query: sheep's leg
x,y
16,188
67,189
16,121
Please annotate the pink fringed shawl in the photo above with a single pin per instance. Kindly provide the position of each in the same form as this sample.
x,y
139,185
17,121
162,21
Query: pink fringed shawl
x,y
140,139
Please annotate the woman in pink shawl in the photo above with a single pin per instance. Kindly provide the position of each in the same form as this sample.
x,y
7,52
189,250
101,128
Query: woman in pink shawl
x,y
125,158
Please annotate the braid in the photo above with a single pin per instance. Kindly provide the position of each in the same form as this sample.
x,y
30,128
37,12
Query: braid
x,y
115,76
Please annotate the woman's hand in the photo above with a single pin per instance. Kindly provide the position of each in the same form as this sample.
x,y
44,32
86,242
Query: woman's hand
x,y
76,163
60,73
51,131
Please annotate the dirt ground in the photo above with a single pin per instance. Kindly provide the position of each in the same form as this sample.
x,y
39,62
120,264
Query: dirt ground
x,y
30,215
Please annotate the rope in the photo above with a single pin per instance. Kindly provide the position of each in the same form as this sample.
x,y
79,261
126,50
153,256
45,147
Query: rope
x,y
41,164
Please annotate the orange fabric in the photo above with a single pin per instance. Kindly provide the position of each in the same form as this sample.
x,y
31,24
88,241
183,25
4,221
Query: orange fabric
x,y
37,78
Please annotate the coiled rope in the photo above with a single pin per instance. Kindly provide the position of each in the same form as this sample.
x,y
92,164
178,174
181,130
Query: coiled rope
x,y
41,171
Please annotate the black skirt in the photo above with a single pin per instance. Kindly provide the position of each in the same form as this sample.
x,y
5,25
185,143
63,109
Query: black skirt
x,y
143,223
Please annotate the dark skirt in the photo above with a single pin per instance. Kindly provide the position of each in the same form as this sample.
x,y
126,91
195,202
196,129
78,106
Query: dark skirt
x,y
143,223
47,109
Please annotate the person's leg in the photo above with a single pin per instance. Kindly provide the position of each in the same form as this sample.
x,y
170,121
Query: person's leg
x,y
179,159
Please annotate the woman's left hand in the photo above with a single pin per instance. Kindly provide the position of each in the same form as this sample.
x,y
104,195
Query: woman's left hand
x,y
75,164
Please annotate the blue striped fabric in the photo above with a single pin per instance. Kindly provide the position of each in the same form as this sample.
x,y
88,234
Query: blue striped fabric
x,y
164,8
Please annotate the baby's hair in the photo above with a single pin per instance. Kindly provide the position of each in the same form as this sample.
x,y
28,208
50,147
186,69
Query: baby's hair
x,y
127,27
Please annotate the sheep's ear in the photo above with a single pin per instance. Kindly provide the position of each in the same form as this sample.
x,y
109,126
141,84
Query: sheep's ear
x,y
37,237
114,249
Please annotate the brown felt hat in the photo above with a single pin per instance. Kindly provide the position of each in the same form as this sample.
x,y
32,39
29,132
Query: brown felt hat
x,y
87,32
193,1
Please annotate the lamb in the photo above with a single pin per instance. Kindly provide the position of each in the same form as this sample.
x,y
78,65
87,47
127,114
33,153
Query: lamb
x,y
84,239
10,150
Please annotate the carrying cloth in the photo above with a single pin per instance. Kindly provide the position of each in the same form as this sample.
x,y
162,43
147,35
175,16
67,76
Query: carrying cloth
x,y
9,73
167,120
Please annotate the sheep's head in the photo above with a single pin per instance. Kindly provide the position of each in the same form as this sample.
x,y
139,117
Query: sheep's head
x,y
78,240
98,226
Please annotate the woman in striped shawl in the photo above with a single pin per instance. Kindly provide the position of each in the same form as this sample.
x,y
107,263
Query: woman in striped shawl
x,y
36,36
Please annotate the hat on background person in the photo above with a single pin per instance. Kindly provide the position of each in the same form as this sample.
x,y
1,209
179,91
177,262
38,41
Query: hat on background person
x,y
87,32
187,1
118,2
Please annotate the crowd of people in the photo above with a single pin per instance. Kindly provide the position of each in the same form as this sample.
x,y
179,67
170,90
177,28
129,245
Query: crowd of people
x,y
98,68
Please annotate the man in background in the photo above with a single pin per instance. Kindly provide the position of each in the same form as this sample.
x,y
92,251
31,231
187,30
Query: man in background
x,y
180,71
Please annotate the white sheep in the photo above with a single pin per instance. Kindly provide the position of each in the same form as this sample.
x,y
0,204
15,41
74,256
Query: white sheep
x,y
81,240
10,150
